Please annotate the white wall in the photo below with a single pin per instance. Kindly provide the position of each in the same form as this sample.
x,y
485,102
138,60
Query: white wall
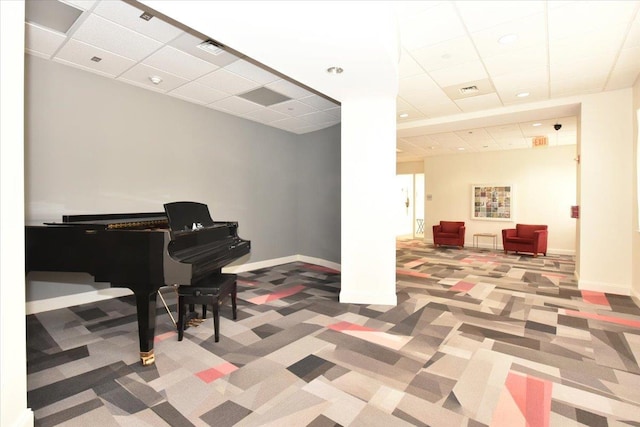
x,y
544,181
635,232
13,369
606,192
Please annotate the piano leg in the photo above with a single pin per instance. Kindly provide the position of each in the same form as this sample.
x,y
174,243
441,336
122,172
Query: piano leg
x,y
146,304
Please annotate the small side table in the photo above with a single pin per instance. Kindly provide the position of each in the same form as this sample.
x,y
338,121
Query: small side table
x,y
491,235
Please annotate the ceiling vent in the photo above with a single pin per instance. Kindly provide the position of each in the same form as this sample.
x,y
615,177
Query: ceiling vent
x,y
264,96
211,47
469,90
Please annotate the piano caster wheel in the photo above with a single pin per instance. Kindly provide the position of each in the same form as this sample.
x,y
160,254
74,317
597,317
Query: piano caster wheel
x,y
147,358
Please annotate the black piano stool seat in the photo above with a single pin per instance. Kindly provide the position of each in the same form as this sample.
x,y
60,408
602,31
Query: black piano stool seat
x,y
213,292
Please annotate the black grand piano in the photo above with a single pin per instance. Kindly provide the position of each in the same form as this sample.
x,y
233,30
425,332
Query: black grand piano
x,y
139,251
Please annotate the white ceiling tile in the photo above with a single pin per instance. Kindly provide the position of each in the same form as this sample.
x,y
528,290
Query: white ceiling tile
x,y
478,15
445,54
532,57
265,115
179,63
586,83
234,105
250,71
112,37
430,26
633,37
458,74
289,89
318,117
140,74
576,47
41,40
579,17
79,53
419,88
293,108
189,43
200,94
290,123
403,107
128,16
318,102
598,67
530,31
228,82
439,109
80,4
408,66
480,102
335,112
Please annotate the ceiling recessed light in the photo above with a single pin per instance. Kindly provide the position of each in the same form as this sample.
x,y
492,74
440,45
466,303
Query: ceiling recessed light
x,y
522,94
469,89
460,148
404,115
156,80
536,124
334,70
508,38
96,59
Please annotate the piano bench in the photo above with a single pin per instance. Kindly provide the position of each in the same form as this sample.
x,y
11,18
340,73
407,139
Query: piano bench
x,y
215,292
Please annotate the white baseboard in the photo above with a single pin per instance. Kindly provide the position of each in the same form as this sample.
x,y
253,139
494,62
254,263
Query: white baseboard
x,y
25,419
55,303
368,298
610,288
489,245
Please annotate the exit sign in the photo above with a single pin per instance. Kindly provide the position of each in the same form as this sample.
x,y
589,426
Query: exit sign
x,y
540,141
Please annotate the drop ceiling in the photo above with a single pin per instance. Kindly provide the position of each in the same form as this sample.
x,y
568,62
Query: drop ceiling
x,y
561,49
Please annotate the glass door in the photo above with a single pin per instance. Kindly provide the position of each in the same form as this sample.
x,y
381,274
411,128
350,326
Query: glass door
x,y
410,206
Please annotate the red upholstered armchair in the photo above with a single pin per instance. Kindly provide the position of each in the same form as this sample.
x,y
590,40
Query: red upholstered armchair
x,y
526,238
449,233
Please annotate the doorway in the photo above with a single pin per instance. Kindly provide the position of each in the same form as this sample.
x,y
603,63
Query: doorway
x,y
410,206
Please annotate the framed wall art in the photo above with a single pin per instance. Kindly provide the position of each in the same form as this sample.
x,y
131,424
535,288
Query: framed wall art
x,y
492,202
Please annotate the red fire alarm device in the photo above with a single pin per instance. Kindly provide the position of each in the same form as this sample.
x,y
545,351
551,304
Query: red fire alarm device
x,y
575,211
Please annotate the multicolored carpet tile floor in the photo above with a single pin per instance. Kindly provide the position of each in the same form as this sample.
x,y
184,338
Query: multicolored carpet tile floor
x,y
478,338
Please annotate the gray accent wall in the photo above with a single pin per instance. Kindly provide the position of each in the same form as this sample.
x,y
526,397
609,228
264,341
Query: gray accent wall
x,y
96,145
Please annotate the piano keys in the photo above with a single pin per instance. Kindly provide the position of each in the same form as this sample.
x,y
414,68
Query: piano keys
x,y
139,251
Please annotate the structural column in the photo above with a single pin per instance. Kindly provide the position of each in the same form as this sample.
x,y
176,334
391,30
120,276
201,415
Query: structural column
x,y
368,158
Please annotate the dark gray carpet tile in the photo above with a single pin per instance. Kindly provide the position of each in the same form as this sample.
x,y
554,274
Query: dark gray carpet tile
x,y
88,314
590,419
310,367
59,418
38,338
322,421
408,418
59,390
119,397
171,415
40,361
281,339
225,415
264,331
623,304
430,387
541,327
499,336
